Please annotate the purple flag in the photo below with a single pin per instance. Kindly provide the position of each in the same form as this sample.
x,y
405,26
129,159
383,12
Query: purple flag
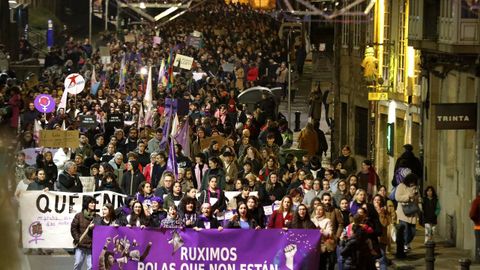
x,y
172,159
183,138
170,110
207,249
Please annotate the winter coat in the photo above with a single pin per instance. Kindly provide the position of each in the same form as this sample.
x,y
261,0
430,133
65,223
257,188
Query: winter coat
x,y
219,173
277,221
220,204
310,195
278,191
79,225
200,223
37,185
308,140
239,76
431,209
336,219
411,162
236,224
402,196
315,103
356,255
198,175
118,170
131,181
69,183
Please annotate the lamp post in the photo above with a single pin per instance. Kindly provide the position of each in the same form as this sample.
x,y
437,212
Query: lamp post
x,y
289,101
106,15
90,12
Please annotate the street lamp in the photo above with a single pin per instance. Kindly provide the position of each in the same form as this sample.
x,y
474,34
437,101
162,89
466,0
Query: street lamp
x,y
90,12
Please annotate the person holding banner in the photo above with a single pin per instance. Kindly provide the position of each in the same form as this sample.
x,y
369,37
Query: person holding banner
x,y
243,219
187,208
173,220
206,220
282,217
138,217
214,196
158,213
108,216
255,211
82,232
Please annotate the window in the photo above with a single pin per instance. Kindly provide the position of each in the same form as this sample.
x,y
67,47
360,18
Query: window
x,y
402,47
361,131
345,32
386,43
357,27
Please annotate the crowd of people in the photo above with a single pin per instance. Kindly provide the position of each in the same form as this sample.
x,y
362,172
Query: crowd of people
x,y
247,151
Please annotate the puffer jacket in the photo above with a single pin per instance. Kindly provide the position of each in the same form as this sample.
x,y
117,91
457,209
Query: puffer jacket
x,y
79,224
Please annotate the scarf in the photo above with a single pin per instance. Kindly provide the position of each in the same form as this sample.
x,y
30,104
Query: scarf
x,y
88,215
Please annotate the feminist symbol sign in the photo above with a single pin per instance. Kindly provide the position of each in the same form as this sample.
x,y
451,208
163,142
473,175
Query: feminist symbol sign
x,y
74,83
44,103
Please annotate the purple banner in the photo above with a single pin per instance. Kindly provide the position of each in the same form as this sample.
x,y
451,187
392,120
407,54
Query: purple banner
x,y
230,249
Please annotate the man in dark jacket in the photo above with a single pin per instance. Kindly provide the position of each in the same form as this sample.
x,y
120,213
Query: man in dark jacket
x,y
68,180
132,178
410,161
82,230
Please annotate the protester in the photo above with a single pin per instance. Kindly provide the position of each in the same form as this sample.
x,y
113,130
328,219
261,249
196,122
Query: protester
x,y
82,233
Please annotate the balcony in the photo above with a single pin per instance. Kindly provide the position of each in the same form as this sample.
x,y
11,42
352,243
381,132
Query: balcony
x,y
430,29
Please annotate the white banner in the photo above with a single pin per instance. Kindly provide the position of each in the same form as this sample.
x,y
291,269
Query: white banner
x,y
46,216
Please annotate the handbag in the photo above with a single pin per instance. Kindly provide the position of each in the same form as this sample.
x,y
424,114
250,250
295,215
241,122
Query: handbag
x,y
410,209
328,245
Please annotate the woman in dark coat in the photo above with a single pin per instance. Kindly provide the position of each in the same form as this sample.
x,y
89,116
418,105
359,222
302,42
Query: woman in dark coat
x,y
216,170
132,178
256,211
431,209
301,219
214,196
315,102
272,190
109,183
45,162
40,182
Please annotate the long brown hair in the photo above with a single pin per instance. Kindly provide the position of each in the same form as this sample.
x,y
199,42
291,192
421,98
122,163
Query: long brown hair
x,y
280,210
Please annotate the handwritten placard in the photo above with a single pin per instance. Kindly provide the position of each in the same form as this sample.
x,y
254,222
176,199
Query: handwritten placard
x,y
59,138
183,61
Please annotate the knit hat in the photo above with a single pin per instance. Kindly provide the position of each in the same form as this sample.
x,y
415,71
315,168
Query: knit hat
x,y
157,199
